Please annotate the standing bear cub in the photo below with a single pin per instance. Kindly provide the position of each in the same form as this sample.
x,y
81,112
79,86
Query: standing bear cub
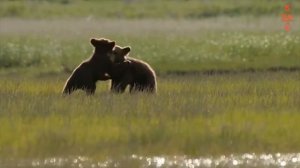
x,y
85,76
130,71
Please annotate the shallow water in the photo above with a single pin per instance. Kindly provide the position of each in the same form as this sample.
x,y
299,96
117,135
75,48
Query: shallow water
x,y
291,160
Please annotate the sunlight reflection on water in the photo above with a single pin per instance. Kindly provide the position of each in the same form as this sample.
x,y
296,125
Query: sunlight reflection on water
x,y
244,160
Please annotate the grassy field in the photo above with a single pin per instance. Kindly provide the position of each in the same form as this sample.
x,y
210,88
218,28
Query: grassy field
x,y
191,46
193,115
228,79
139,9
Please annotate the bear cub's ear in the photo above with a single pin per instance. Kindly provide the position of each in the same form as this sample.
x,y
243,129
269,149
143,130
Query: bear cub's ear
x,y
126,50
112,44
93,41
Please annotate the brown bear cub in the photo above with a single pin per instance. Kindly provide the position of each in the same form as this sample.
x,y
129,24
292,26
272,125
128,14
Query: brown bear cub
x,y
130,71
85,76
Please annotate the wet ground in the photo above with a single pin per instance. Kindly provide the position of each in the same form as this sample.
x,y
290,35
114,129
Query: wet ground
x,y
291,160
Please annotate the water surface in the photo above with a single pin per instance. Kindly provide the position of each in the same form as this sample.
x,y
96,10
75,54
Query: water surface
x,y
247,160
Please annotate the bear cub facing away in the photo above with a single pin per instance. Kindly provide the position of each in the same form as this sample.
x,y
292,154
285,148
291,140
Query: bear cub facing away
x,y
85,76
130,71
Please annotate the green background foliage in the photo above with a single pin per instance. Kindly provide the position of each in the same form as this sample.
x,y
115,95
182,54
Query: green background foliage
x,y
139,9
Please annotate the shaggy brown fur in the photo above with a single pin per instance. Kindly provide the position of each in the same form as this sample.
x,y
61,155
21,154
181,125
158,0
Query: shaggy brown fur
x,y
85,76
130,71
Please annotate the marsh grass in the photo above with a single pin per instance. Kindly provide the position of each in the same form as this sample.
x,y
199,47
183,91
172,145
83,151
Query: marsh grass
x,y
236,51
194,115
168,45
140,9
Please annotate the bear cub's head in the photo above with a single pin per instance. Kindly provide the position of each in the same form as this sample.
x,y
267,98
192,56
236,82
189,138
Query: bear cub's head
x,y
119,54
103,45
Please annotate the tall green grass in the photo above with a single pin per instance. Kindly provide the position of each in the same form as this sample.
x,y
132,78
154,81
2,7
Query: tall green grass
x,y
141,8
178,53
193,115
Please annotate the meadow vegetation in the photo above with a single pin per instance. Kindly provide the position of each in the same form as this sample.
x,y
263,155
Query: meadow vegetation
x,y
191,46
140,9
192,114
253,107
